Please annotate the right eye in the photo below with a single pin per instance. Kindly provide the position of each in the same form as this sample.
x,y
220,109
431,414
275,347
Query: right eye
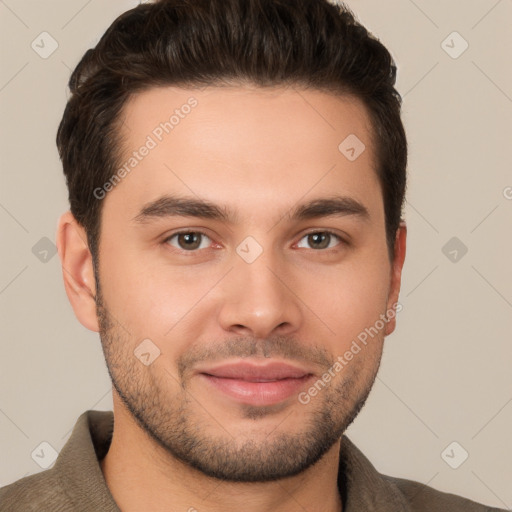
x,y
187,240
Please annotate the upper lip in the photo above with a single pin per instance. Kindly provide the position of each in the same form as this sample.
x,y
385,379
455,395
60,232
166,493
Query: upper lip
x,y
254,372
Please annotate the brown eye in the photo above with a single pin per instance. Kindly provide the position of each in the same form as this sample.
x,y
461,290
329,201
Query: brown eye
x,y
187,240
321,240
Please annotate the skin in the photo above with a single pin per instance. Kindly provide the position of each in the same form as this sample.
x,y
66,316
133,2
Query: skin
x,y
259,153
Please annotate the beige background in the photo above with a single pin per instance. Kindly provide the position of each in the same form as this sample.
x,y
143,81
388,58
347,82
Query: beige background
x,y
446,371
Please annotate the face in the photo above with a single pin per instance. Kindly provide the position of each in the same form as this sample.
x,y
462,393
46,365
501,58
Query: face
x,y
242,255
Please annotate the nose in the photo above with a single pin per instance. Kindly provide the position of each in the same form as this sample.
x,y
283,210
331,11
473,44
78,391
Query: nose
x,y
260,299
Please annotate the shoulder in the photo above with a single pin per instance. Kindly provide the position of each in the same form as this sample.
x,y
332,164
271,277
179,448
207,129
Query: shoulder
x,y
366,488
40,492
75,481
422,498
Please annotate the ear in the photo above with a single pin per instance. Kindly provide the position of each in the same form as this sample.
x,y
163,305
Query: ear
x,y
77,270
396,274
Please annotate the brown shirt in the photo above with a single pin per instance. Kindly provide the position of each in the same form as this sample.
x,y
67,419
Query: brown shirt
x,y
76,483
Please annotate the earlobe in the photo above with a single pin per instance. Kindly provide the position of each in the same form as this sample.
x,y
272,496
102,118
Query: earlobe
x,y
396,274
77,270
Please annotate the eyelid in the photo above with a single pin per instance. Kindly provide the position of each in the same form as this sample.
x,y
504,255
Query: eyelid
x,y
186,231
342,240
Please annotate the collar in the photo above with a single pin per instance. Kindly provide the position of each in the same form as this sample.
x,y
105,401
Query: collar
x,y
361,486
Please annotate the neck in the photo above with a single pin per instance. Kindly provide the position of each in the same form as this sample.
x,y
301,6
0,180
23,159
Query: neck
x,y
142,475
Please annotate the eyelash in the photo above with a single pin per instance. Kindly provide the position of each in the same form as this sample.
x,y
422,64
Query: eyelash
x,y
194,251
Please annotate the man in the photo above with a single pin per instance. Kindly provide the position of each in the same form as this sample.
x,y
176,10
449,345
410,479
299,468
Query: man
x,y
236,174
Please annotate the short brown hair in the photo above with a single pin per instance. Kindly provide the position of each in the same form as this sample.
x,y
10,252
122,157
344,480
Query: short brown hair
x,y
195,43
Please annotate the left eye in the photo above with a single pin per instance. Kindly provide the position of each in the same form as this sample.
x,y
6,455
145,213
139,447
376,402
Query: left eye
x,y
320,239
188,240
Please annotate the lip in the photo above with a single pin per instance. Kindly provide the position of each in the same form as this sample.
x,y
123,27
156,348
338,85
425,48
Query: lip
x,y
256,372
254,384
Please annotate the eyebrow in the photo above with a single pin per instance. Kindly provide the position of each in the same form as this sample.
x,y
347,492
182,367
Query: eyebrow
x,y
178,206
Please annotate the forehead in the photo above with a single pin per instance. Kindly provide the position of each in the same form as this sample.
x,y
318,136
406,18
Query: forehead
x,y
245,146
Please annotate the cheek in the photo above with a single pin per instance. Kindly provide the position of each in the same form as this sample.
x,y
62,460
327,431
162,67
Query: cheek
x,y
150,299
349,300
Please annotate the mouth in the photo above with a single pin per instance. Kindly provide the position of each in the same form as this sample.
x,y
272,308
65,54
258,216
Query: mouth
x,y
257,384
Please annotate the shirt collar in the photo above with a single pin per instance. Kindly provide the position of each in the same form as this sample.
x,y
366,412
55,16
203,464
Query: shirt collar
x,y
77,465
361,486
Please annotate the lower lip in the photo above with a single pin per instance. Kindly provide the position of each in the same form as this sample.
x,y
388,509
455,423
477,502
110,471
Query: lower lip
x,y
258,393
